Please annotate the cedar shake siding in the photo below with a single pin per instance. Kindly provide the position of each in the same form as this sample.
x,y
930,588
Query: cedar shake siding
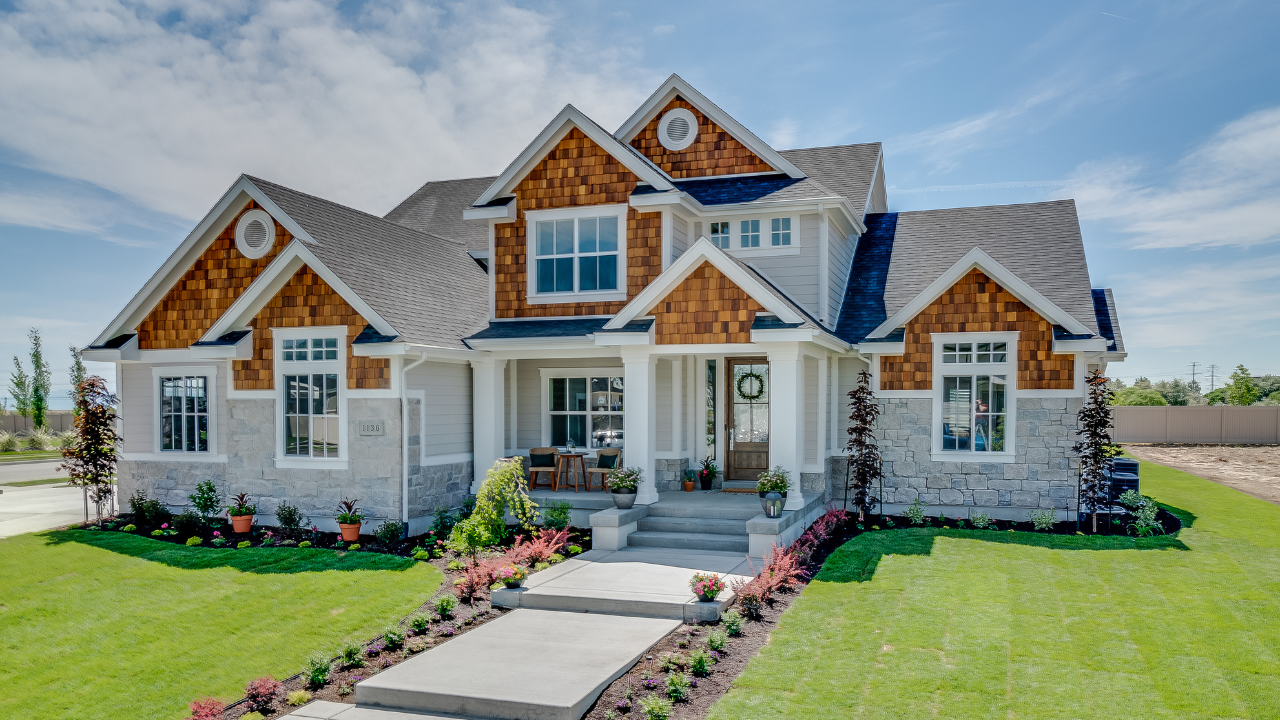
x,y
706,307
977,304
307,301
214,281
715,152
576,172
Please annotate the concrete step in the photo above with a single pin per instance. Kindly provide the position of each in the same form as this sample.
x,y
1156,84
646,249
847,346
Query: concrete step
x,y
740,484
689,541
728,510
715,526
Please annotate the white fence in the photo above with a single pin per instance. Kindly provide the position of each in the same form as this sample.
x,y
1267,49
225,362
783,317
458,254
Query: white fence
x,y
1216,424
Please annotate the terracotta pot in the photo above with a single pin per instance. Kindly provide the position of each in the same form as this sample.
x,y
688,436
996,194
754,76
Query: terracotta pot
x,y
688,485
242,523
350,533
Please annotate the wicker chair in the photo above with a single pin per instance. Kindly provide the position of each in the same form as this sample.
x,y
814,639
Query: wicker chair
x,y
535,471
603,472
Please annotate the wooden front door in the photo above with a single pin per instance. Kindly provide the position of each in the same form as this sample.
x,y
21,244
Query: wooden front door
x,y
748,421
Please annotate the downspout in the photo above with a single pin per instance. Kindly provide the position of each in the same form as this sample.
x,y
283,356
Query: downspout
x,y
404,439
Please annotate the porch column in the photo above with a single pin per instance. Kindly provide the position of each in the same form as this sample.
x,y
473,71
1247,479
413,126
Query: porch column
x,y
639,419
786,421
488,426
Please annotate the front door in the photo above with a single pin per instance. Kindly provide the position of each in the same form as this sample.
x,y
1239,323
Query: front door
x,y
748,426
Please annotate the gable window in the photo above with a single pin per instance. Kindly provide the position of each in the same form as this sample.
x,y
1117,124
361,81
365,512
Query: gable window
x,y
184,413
310,381
587,410
749,235
973,389
720,234
578,250
321,349
986,352
780,233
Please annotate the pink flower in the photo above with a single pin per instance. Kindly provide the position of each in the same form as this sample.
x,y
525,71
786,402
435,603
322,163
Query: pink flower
x,y
217,534
164,526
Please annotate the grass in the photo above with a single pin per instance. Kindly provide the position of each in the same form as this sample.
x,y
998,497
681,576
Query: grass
x,y
109,625
979,624
29,483
30,455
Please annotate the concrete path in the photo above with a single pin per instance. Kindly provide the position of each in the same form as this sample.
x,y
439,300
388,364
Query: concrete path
x,y
39,507
15,471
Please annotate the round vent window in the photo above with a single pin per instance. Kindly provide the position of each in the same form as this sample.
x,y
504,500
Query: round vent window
x,y
255,233
677,129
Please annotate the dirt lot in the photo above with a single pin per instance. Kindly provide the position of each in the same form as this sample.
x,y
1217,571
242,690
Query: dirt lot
x,y
1253,469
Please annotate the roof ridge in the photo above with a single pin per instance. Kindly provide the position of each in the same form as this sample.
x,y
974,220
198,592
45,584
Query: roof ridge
x,y
986,207
831,147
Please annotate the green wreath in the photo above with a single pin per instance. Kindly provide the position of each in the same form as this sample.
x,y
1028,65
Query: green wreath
x,y
759,384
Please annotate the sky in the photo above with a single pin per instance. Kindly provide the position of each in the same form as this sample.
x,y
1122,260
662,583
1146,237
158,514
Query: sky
x,y
122,123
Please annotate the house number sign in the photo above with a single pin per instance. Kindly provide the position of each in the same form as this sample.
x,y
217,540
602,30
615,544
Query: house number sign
x,y
371,427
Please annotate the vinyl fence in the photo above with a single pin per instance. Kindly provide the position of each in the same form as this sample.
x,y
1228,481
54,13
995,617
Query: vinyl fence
x,y
58,422
1216,424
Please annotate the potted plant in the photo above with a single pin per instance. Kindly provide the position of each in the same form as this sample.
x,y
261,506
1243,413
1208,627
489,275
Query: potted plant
x,y
688,480
622,485
349,519
707,586
707,473
513,576
773,482
241,513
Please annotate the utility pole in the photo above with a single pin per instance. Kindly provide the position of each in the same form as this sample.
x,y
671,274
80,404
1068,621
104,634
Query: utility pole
x,y
1213,377
1193,372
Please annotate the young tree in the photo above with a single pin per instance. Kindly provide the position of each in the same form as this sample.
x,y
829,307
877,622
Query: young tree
x,y
1094,447
20,389
77,374
1242,390
91,460
41,380
865,466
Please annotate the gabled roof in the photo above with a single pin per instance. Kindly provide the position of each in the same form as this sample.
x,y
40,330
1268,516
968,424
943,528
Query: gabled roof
x,y
570,117
747,188
849,170
437,207
1104,307
675,85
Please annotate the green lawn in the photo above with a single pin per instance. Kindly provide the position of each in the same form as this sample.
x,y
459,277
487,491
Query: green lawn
x,y
109,625
29,483
30,455
973,624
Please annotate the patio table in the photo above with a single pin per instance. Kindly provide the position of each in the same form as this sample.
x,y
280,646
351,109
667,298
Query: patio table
x,y
570,460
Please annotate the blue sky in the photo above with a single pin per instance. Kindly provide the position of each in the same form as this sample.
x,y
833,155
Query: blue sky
x,y
122,123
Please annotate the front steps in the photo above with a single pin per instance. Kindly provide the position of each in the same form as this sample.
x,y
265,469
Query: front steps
x,y
713,522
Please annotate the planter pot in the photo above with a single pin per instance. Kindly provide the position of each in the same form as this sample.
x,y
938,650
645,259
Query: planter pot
x,y
773,503
241,523
688,485
624,499
707,598
706,481
350,533
513,584
763,505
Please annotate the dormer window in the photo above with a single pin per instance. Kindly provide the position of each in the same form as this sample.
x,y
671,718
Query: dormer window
x,y
578,254
750,234
720,234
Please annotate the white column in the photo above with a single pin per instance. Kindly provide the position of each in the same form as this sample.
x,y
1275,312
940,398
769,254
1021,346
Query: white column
x,y
824,438
677,401
488,429
639,419
786,419
513,399
836,408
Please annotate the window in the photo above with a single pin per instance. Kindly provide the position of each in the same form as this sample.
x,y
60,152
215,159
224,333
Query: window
x,y
781,231
321,349
987,352
973,413
311,415
184,414
576,254
720,234
750,233
582,406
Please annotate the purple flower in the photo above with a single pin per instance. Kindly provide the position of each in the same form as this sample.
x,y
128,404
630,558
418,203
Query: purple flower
x,y
693,683
355,679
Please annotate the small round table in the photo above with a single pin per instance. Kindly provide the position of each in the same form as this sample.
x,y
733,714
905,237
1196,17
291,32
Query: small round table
x,y
567,461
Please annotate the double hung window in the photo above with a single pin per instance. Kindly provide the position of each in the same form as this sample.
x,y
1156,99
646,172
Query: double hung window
x,y
974,413
311,415
184,413
576,254
586,410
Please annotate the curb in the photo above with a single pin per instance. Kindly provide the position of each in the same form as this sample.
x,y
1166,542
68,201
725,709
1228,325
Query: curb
x,y
28,462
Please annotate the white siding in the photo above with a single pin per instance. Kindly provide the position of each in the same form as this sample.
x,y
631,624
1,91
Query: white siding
x,y
679,236
849,369
810,409
139,402
447,426
796,275
663,372
529,390
841,242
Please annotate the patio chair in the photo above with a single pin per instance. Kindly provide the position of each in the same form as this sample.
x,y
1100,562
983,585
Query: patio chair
x,y
544,460
606,460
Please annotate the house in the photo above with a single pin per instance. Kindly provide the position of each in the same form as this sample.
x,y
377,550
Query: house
x,y
677,288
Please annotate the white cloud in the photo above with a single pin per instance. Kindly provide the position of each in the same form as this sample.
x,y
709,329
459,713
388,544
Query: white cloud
x,y
783,134
663,29
1226,193
944,144
362,111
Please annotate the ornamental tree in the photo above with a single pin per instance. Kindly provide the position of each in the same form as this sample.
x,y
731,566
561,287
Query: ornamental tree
x,y
91,459
1242,390
504,489
865,465
1094,446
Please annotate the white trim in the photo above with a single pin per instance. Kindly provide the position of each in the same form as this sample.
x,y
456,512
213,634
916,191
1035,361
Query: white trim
x,y
533,217
690,205
127,352
824,267
447,459
664,126
274,277
242,225
683,267
502,213
1008,368
1069,347
281,368
210,372
544,397
569,118
241,350
675,85
173,456
978,258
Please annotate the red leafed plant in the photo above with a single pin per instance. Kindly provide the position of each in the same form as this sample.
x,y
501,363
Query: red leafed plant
x,y
477,577
545,544
207,709
262,692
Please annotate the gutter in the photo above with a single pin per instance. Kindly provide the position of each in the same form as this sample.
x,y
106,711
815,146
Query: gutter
x,y
404,438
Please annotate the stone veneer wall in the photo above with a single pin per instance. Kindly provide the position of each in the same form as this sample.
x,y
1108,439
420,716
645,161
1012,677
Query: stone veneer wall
x,y
1044,474
434,486
373,475
668,473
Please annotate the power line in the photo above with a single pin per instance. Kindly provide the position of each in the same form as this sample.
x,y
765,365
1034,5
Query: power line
x,y
1193,372
1213,376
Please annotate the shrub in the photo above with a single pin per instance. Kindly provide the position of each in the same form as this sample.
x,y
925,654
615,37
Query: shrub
x,y
148,513
980,521
353,547
9,442
732,621
1130,499
678,686
456,565
503,491
555,558
393,637
289,516
539,567
752,596
262,692
67,439
656,707
207,709
41,439
545,544
1145,522
717,639
316,670
351,654
422,555
915,513
129,528
390,532
574,549
255,715
443,521
298,698
1044,518
672,661
157,533
304,544
444,605
243,544
556,515
187,523
420,622
700,662
206,499
193,541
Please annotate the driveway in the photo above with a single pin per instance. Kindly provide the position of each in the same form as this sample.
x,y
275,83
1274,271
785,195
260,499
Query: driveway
x,y
39,507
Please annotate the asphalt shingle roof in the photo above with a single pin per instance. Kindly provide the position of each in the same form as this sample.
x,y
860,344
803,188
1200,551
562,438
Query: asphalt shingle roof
x,y
437,207
425,286
846,169
750,188
1104,307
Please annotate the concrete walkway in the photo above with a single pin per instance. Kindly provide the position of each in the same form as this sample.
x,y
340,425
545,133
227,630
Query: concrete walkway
x,y
37,507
